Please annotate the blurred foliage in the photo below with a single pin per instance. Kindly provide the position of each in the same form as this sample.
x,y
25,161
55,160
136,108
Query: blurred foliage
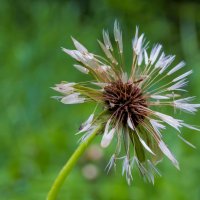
x,y
37,133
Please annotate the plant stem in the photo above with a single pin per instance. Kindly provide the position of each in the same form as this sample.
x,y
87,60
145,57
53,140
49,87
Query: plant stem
x,y
69,165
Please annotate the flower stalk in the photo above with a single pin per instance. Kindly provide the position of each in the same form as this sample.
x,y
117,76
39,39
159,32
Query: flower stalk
x,y
69,165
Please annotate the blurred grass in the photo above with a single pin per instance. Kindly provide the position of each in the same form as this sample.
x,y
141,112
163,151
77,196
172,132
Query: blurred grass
x,y
37,133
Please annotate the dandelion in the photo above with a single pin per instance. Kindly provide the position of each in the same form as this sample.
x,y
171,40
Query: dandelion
x,y
129,101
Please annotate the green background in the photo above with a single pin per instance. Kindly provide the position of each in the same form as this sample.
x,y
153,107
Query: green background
x,y
37,132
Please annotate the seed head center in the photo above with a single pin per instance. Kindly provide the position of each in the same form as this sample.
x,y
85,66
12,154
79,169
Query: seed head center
x,y
125,100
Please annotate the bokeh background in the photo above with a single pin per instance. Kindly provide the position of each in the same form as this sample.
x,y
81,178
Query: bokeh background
x,y
37,132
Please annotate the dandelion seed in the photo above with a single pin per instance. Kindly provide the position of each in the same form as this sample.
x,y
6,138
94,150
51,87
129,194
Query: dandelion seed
x,y
176,68
72,99
107,138
82,69
64,88
157,126
118,36
178,85
182,76
86,125
111,163
129,104
146,57
79,46
154,53
140,58
188,143
175,123
166,62
126,169
106,39
167,152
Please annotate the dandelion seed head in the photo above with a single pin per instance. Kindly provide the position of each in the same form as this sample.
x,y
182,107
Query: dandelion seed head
x,y
130,102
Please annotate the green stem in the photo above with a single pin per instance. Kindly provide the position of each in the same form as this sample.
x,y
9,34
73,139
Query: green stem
x,y
69,166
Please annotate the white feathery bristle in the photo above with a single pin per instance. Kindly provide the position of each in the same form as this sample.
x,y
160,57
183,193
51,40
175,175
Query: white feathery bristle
x,y
154,53
157,126
189,107
108,135
185,100
107,52
145,145
88,56
73,99
187,142
116,30
125,164
167,152
118,35
107,126
87,134
149,174
120,44
175,123
87,124
85,58
130,123
139,44
64,87
84,129
90,119
192,127
166,63
176,68
178,85
146,59
81,57
111,163
141,167
184,105
81,69
107,138
79,46
135,39
160,61
140,58
72,53
153,167
182,76
126,168
106,40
